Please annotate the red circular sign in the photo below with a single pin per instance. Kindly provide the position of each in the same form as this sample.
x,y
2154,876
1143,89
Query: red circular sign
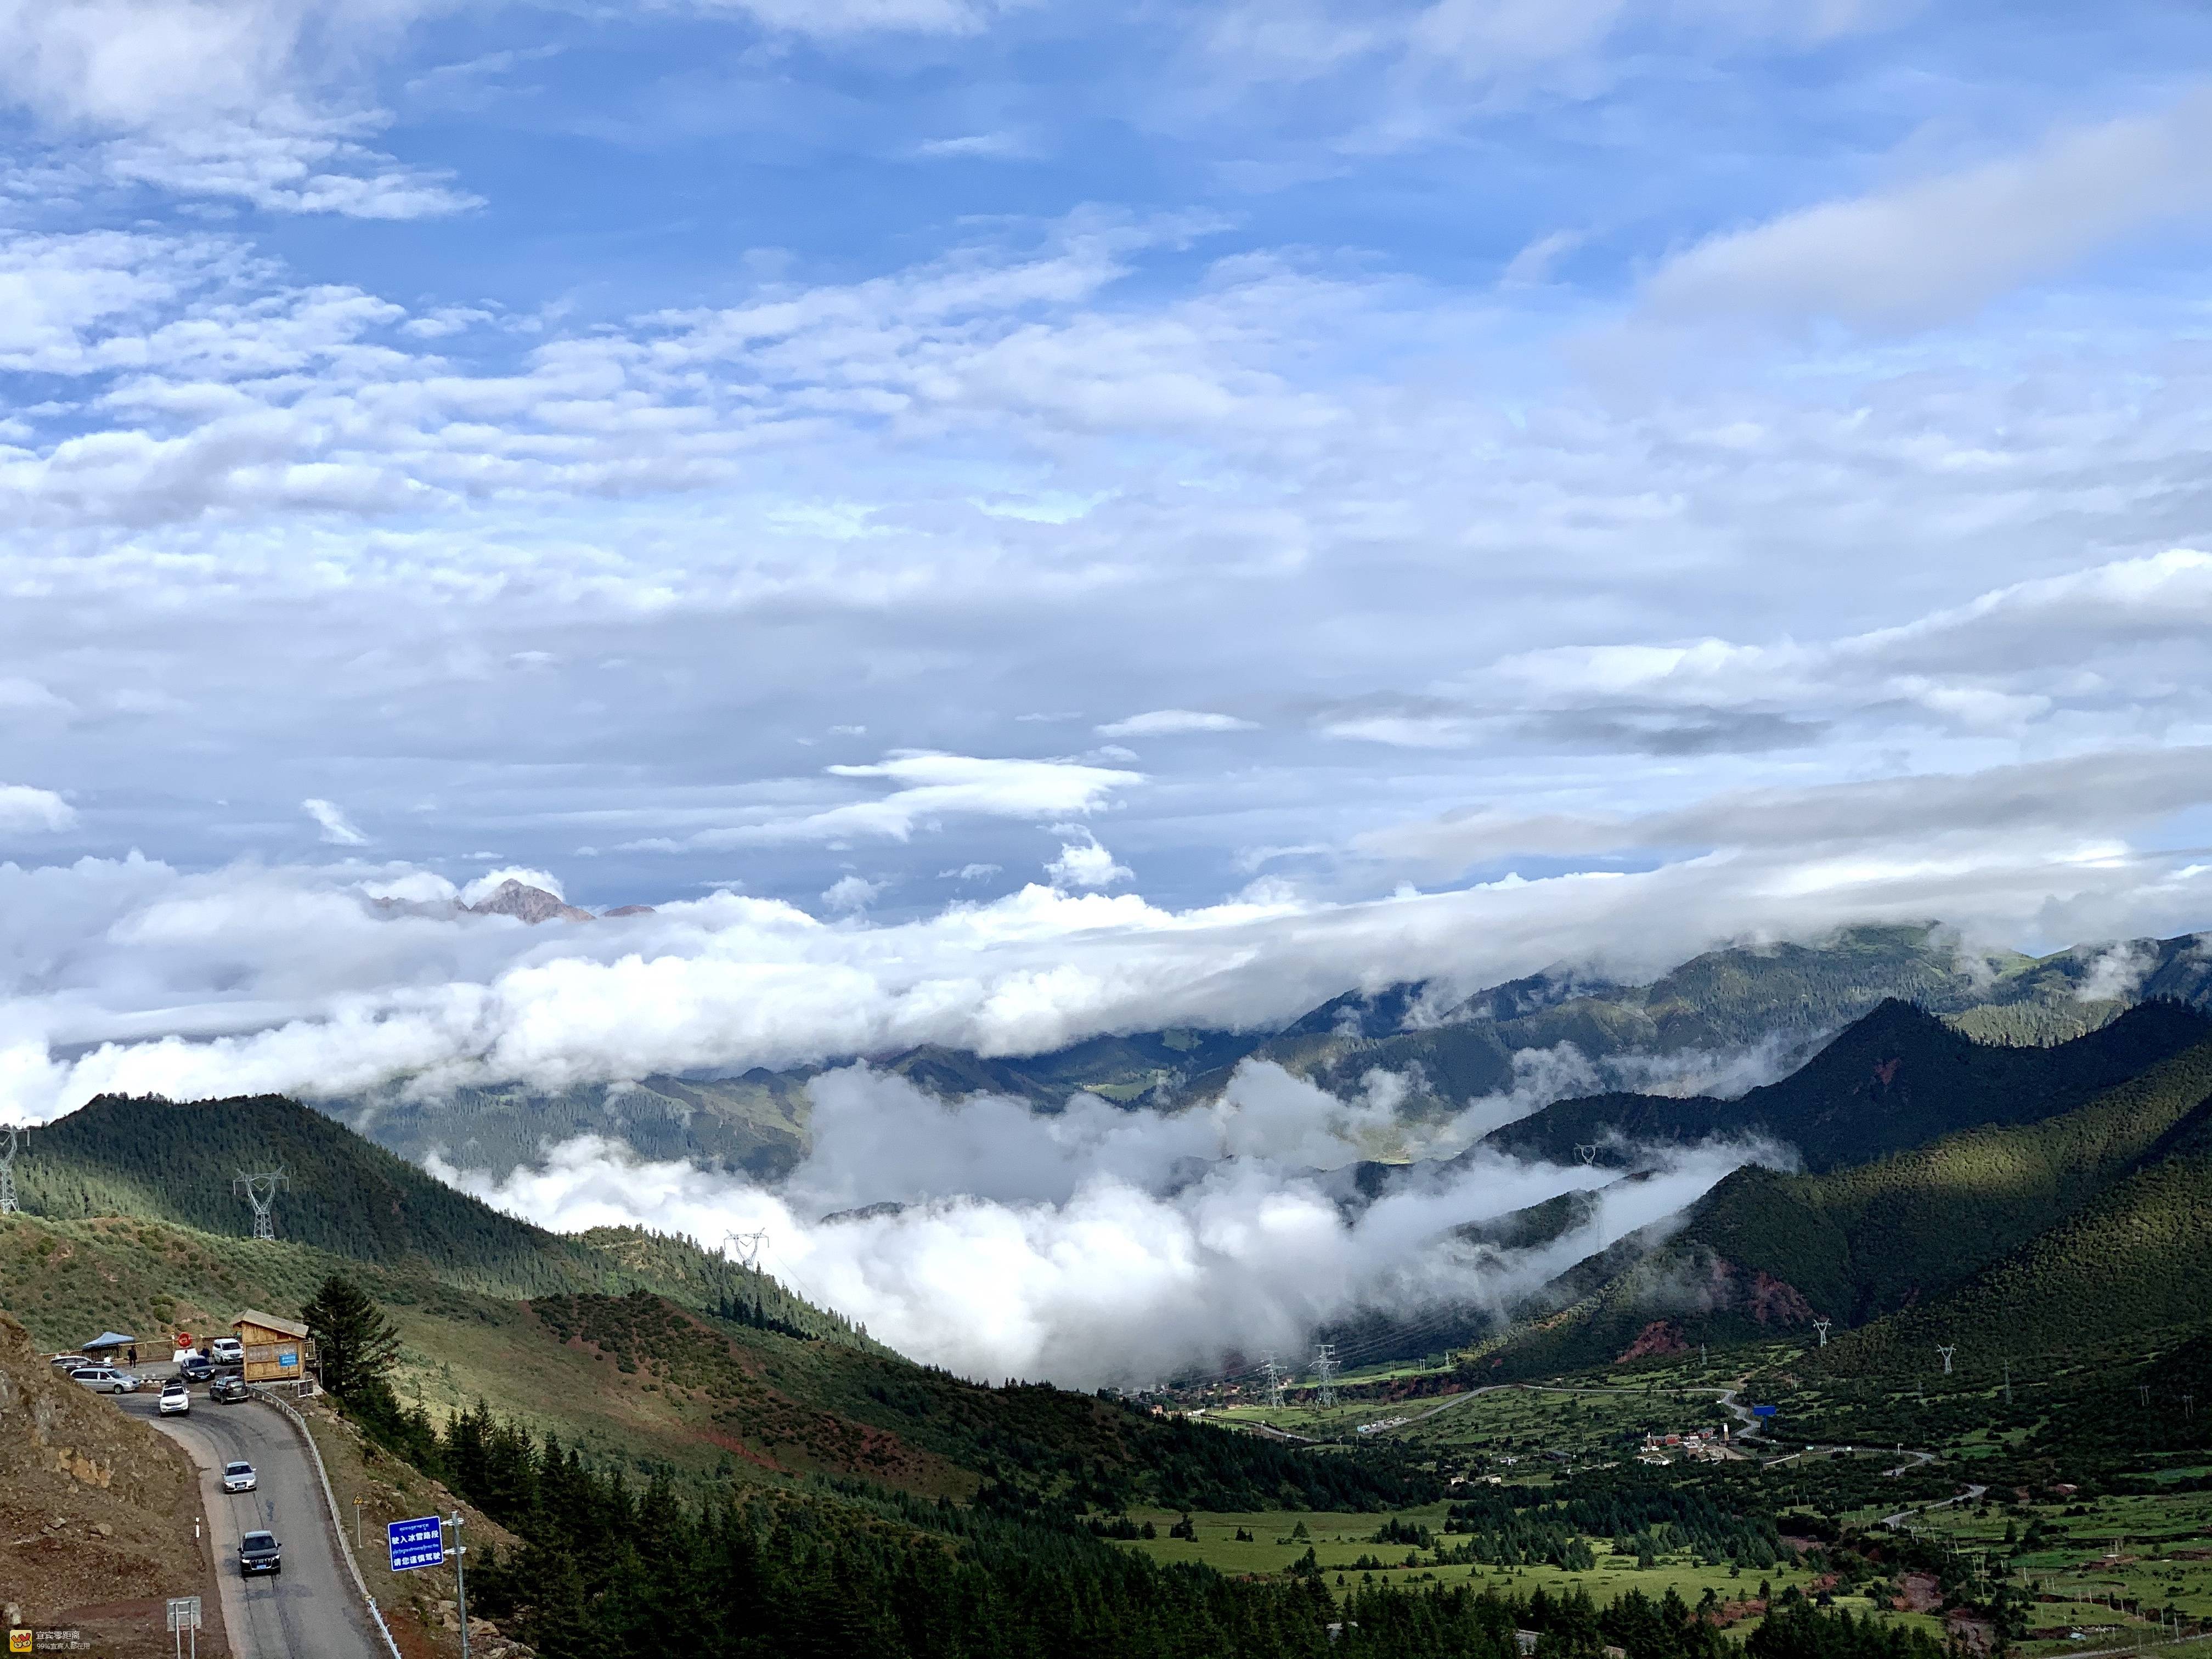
x,y
183,1339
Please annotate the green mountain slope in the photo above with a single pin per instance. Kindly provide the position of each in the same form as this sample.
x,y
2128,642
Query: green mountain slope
x,y
641,1350
2113,1181
1893,1078
350,1200
2134,1261
754,1123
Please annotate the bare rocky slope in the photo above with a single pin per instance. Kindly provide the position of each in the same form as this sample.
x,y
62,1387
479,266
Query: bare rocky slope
x,y
96,1512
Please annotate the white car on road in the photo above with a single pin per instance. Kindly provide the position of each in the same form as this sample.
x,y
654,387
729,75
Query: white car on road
x,y
104,1379
176,1399
239,1477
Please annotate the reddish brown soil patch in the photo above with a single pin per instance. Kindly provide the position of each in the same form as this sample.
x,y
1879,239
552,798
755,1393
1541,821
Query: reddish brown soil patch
x,y
1656,1341
1917,1592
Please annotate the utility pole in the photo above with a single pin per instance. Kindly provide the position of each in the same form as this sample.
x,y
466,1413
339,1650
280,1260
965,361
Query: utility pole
x,y
1325,1373
1821,1325
259,1189
1947,1353
8,1147
460,1581
1273,1374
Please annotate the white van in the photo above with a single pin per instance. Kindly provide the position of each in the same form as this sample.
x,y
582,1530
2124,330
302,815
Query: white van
x,y
104,1379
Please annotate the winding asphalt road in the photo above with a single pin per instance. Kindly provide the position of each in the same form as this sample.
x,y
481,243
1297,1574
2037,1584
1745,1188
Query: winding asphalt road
x,y
310,1610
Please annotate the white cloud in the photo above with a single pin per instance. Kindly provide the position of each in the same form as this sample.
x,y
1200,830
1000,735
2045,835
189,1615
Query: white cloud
x,y
222,98
24,808
932,787
850,895
257,978
1534,263
21,696
1080,1246
2077,802
1173,722
1935,249
1085,864
977,146
835,19
1414,727
336,828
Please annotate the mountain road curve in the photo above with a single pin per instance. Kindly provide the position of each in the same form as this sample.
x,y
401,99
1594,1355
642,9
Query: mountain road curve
x,y
309,1611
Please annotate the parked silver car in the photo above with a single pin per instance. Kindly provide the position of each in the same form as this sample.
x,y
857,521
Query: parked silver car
x,y
104,1379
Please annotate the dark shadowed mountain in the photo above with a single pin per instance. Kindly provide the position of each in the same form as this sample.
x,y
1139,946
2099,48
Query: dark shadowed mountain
x,y
2004,1229
1894,1079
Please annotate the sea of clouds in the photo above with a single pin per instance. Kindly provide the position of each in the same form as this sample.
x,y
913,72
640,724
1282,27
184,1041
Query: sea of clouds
x,y
1099,1246
1094,1244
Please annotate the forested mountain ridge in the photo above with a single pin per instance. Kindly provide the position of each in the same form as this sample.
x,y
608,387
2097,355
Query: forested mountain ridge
x,y
2004,1227
1735,1012
145,1159
1895,1078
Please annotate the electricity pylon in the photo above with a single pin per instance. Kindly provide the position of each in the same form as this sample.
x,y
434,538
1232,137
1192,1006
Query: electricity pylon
x,y
1588,1153
1272,1375
747,1247
1325,1372
1947,1353
1821,1325
258,1189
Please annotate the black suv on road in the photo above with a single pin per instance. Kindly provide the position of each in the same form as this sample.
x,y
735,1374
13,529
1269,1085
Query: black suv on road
x,y
257,1552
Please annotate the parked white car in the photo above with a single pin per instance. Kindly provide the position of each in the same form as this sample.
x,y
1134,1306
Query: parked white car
x,y
176,1399
239,1477
227,1351
104,1379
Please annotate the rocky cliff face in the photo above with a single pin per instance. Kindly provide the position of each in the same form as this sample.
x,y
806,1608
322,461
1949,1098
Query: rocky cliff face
x,y
97,1510
528,903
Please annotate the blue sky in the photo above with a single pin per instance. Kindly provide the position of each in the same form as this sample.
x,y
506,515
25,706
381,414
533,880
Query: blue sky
x,y
911,463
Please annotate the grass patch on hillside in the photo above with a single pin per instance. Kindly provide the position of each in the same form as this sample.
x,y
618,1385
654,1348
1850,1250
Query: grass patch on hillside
x,y
1346,1544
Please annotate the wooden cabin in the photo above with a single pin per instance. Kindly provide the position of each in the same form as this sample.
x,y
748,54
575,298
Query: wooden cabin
x,y
276,1350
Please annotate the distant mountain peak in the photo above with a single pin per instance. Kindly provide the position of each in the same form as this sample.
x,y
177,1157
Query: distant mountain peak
x,y
527,903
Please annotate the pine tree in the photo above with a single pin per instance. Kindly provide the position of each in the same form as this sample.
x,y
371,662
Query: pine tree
x,y
356,1343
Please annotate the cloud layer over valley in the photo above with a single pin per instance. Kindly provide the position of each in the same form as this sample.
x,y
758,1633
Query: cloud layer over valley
x,y
1008,523
1101,1246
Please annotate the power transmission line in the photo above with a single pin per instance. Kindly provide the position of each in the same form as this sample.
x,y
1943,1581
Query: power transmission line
x,y
1325,1374
259,1188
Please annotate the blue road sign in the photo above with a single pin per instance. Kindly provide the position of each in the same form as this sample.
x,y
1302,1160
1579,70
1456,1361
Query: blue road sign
x,y
416,1543
1762,1411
